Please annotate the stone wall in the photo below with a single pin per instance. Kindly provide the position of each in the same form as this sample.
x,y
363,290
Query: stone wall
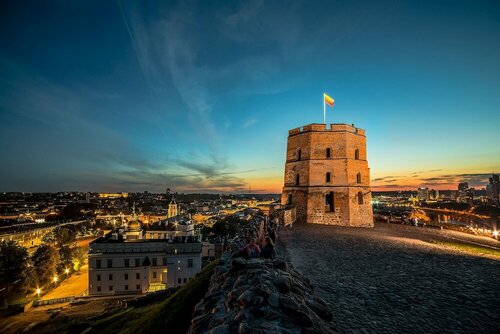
x,y
259,296
283,215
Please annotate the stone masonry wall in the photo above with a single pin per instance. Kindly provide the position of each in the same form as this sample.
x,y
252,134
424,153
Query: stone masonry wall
x,y
343,166
259,296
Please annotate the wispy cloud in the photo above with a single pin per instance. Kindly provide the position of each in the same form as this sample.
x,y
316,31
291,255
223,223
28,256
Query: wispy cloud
x,y
249,122
91,156
443,181
386,178
427,171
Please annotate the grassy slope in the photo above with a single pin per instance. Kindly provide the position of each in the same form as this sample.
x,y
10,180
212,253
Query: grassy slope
x,y
470,248
172,315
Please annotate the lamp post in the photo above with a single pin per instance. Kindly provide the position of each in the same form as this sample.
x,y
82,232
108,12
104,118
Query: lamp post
x,y
66,271
38,291
55,279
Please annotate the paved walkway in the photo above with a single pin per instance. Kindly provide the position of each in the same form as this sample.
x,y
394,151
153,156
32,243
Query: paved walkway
x,y
73,286
390,279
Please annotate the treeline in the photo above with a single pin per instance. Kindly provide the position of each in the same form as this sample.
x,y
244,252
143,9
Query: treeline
x,y
447,205
485,210
227,227
74,211
21,273
488,210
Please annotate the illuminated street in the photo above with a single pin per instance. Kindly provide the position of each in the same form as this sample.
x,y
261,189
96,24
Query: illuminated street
x,y
74,286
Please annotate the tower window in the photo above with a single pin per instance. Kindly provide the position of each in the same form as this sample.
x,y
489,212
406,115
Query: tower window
x,y
358,178
299,154
328,152
329,202
328,177
297,180
289,201
356,154
360,197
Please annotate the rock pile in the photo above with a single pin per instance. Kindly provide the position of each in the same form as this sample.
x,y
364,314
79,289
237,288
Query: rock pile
x,y
259,296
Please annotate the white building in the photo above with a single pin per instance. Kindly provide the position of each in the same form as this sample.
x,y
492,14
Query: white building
x,y
135,260
170,228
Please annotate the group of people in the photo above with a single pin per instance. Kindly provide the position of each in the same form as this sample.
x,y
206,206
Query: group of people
x,y
252,250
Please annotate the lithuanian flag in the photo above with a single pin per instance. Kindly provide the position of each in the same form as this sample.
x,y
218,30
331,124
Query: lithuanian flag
x,y
328,100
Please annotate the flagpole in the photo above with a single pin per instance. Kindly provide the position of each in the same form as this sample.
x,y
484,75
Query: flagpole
x,y
324,110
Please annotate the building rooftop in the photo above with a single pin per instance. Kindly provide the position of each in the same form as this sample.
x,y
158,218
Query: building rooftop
x,y
319,127
116,237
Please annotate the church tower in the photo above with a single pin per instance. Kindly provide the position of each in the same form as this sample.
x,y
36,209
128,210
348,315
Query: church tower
x,y
172,208
327,178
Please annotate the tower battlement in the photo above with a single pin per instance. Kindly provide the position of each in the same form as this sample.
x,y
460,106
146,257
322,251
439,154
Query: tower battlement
x,y
327,178
323,127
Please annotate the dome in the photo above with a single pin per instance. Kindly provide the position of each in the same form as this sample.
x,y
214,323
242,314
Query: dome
x,y
134,225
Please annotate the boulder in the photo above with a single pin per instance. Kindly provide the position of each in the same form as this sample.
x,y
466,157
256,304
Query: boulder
x,y
246,299
279,264
282,283
288,304
238,263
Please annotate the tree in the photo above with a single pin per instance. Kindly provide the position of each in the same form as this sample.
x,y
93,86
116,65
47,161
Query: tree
x,y
66,257
79,255
228,227
52,218
65,235
45,261
71,211
49,237
14,266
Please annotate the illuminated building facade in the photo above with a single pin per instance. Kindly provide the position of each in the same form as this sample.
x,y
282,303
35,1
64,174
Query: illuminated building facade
x,y
137,260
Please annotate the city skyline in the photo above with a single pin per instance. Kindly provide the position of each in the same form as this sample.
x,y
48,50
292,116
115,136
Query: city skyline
x,y
120,96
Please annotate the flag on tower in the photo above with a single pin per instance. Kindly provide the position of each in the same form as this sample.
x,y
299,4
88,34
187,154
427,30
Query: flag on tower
x,y
328,100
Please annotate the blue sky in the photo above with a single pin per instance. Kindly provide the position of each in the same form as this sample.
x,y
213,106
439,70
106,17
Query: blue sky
x,y
199,96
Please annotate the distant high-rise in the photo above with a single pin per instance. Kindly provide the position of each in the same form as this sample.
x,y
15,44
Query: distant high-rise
x,y
434,195
423,194
493,189
327,179
464,186
465,194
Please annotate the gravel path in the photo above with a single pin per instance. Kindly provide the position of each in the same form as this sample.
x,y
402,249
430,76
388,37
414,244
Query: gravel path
x,y
391,280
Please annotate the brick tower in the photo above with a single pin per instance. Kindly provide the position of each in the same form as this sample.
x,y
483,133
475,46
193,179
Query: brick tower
x,y
327,178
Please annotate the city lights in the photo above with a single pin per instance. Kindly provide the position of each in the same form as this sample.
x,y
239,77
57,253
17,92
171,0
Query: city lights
x,y
173,157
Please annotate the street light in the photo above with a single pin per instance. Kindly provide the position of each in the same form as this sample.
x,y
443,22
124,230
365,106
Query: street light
x,y
38,291
55,279
66,271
